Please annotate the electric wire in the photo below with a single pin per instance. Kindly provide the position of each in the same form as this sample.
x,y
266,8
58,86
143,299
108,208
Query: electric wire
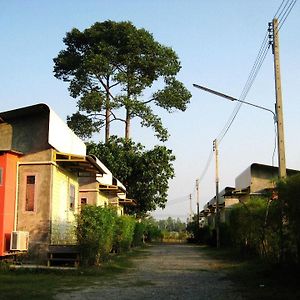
x,y
207,165
275,144
251,78
281,14
275,16
285,16
283,10
265,45
178,200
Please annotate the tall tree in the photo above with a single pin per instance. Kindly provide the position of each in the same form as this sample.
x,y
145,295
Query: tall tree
x,y
145,173
111,65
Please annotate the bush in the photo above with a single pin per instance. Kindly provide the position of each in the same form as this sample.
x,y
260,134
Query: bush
x,y
139,234
289,196
255,227
124,233
95,233
152,232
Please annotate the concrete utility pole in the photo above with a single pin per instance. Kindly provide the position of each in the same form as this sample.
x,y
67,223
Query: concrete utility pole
x,y
217,219
198,212
191,211
279,110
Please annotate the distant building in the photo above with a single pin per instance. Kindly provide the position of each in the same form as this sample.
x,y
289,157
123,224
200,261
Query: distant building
x,y
256,180
226,200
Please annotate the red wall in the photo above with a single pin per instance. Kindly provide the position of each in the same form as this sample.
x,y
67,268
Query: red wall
x,y
8,163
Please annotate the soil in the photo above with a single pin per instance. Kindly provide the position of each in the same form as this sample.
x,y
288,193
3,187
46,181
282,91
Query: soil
x,y
165,271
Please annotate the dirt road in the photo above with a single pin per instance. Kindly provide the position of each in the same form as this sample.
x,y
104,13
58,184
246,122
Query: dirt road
x,y
164,272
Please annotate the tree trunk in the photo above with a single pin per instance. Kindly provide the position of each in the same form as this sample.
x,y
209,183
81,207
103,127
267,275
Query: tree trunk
x,y
107,124
127,125
107,113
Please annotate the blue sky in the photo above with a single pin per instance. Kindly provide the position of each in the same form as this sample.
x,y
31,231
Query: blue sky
x,y
217,43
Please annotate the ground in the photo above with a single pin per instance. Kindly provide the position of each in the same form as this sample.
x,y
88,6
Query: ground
x,y
164,271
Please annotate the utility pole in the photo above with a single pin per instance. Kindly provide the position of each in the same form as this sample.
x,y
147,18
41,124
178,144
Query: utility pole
x,y
273,28
274,40
217,219
198,213
191,212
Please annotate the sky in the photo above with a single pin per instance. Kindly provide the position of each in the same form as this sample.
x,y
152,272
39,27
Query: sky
x,y
217,43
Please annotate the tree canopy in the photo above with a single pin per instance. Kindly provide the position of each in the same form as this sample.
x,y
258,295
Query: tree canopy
x,y
112,66
145,173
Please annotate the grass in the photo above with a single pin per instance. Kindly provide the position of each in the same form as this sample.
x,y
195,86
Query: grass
x,y
256,279
44,284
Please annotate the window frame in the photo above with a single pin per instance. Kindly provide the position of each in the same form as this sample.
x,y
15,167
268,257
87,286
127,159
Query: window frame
x,y
34,192
72,198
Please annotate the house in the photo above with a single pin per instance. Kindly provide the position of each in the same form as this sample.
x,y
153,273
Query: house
x,y
256,180
103,190
226,200
45,176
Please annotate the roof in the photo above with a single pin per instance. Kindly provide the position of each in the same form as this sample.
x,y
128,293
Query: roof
x,y
82,165
127,201
111,189
58,134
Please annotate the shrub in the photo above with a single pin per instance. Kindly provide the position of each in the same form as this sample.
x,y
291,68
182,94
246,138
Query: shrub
x,y
139,234
124,233
152,233
255,227
95,233
289,196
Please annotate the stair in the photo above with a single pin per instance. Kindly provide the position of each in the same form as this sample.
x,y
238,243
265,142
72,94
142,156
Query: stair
x,y
63,255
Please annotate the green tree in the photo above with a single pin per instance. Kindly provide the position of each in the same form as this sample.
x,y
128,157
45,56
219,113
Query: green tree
x,y
145,173
111,65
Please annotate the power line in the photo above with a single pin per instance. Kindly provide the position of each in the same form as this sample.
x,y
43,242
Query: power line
x,y
286,14
284,9
206,166
178,200
263,51
282,13
275,16
275,144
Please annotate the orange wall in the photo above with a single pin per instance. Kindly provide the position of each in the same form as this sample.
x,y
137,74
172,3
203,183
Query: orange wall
x,y
8,163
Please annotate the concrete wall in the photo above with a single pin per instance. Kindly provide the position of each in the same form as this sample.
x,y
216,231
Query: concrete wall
x,y
37,222
63,217
6,135
29,134
52,221
89,189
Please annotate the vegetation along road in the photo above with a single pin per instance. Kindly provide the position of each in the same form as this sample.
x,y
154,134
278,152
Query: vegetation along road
x,y
164,271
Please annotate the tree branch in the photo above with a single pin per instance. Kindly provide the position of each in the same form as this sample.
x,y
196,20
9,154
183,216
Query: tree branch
x,y
148,101
106,88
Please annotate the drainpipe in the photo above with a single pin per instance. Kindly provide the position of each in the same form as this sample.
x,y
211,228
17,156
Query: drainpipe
x,y
16,199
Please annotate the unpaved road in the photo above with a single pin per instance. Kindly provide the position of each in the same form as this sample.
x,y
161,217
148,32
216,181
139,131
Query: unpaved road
x,y
165,272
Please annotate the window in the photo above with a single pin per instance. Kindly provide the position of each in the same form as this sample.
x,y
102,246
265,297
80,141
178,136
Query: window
x,y
1,175
83,201
72,196
30,193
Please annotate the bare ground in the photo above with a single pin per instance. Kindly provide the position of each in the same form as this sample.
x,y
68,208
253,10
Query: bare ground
x,y
165,271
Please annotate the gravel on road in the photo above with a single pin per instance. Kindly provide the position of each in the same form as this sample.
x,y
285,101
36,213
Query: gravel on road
x,y
165,271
